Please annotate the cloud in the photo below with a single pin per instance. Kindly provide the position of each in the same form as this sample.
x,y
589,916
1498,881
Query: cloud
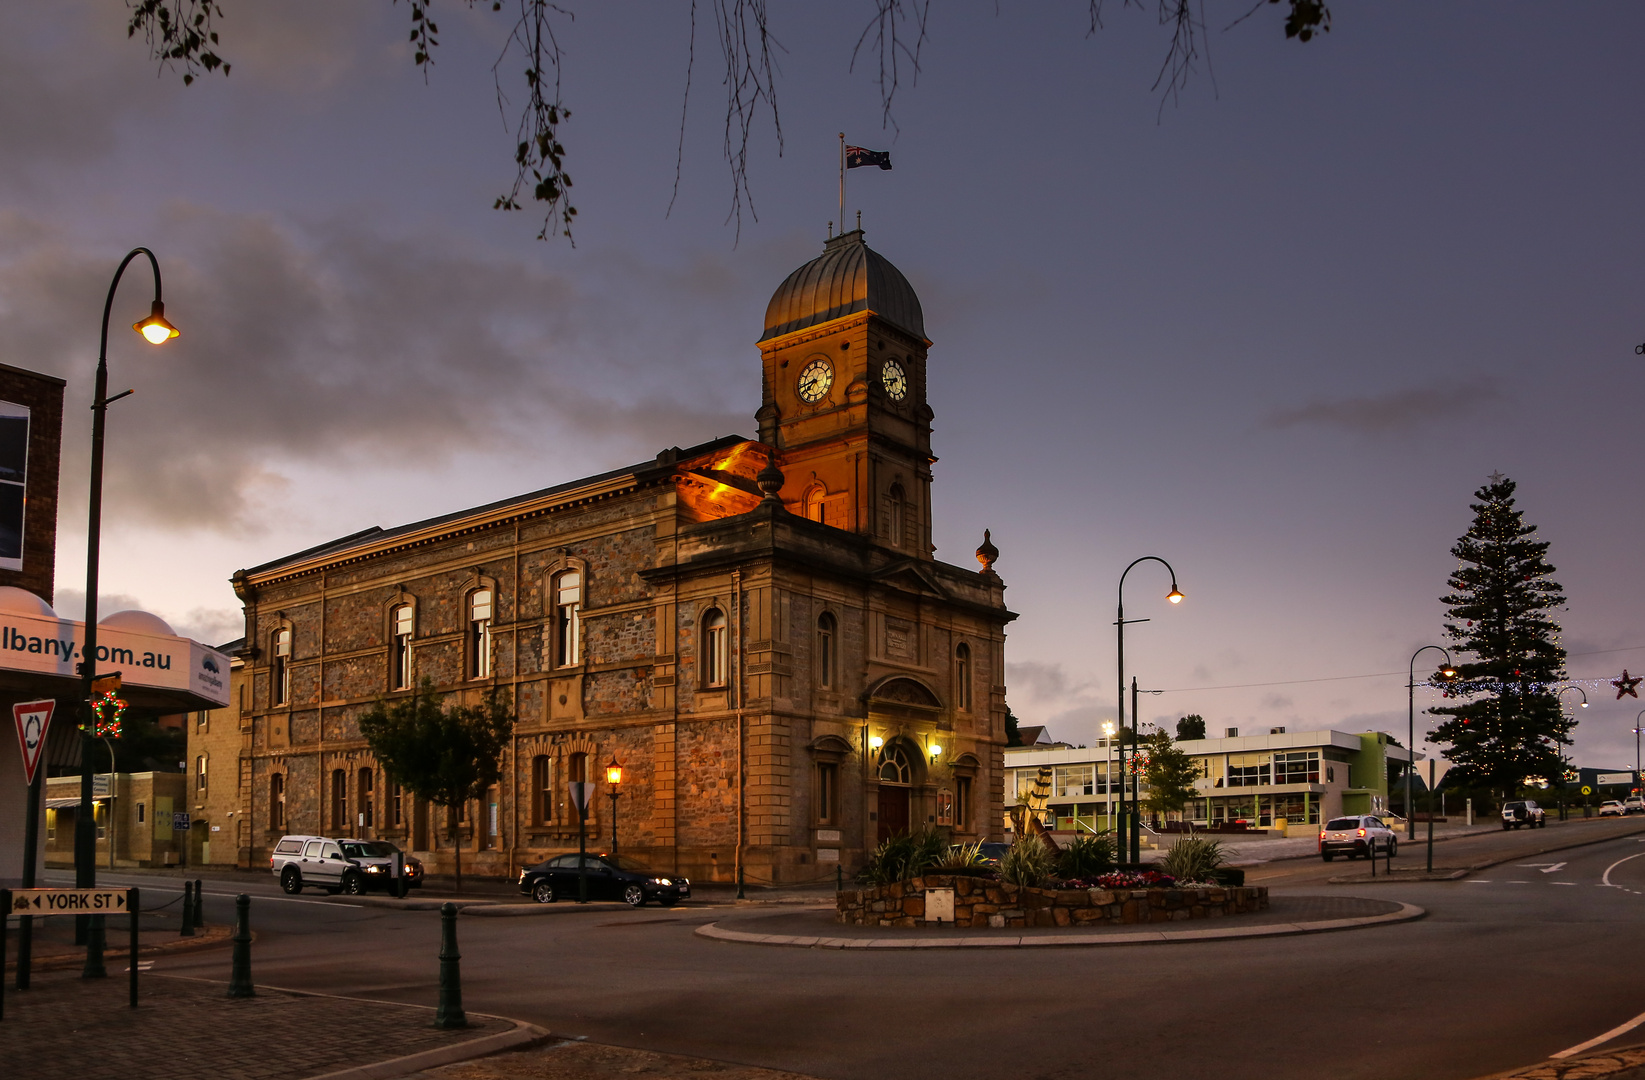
x,y
1041,682
1276,701
1394,412
213,626
331,344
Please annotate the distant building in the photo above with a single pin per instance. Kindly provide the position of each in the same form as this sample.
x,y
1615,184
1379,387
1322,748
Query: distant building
x,y
756,630
1302,777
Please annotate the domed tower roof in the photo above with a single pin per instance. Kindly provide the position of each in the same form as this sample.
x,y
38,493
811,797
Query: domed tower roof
x,y
846,278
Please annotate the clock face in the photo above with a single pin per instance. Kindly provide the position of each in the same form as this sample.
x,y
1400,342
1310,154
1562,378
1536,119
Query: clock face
x,y
815,380
895,380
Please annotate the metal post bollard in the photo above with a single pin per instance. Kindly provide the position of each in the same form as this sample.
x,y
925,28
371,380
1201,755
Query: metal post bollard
x,y
199,904
94,968
450,1012
239,980
187,929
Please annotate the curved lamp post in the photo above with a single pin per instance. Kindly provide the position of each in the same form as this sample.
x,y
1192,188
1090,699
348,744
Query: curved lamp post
x,y
1583,703
156,330
614,777
1108,772
1637,784
1132,827
1449,671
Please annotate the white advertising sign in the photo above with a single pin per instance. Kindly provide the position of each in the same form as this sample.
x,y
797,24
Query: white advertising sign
x,y
54,647
1605,778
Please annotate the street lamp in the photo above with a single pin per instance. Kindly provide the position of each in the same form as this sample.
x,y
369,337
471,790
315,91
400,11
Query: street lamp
x,y
1637,784
1175,597
1108,773
1578,689
1449,671
614,777
156,330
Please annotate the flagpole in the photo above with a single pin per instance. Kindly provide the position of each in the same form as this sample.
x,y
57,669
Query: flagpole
x,y
842,182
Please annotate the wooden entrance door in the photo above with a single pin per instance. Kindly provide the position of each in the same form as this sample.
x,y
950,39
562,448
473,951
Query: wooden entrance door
x,y
893,811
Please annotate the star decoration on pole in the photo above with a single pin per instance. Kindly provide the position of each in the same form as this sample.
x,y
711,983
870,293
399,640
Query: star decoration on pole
x,y
1625,685
1495,478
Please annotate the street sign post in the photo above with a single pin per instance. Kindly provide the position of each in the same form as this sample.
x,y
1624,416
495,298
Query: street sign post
x,y
31,904
180,822
581,792
33,718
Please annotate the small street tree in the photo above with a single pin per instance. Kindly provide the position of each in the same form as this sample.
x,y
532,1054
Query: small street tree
x,y
445,754
1170,774
1510,726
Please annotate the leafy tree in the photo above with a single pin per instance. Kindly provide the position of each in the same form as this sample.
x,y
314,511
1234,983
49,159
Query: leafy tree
x,y
445,754
1191,726
1511,725
184,33
1170,775
1013,737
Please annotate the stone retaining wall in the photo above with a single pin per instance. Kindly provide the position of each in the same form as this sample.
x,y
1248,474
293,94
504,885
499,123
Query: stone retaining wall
x,y
981,902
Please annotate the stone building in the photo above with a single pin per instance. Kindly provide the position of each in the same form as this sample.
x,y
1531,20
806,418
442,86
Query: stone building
x,y
756,630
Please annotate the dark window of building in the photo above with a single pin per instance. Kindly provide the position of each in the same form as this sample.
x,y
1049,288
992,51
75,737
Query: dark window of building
x,y
828,792
962,803
894,768
200,773
897,498
714,642
962,676
339,801
365,801
577,767
396,806
277,801
542,790
826,640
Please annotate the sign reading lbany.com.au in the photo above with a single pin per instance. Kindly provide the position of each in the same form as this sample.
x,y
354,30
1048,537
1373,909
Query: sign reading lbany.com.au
x,y
56,646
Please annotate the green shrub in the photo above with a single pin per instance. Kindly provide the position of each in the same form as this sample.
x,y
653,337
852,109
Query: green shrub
x,y
1193,858
903,856
1029,861
965,859
1086,856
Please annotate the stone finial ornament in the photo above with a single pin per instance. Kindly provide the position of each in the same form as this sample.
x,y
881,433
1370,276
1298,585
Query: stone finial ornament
x,y
770,479
988,553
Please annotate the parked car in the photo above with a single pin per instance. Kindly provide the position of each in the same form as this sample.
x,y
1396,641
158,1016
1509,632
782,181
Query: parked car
x,y
1612,808
1523,812
1356,836
610,877
300,861
375,858
1633,804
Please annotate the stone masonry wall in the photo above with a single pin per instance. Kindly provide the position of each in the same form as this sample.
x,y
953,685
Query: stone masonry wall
x,y
982,902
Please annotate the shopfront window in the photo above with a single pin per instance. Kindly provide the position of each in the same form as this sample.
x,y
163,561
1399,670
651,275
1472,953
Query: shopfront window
x,y
1074,780
1247,770
1297,767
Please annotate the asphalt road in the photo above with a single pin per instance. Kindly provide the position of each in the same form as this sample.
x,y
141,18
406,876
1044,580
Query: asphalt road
x,y
1511,966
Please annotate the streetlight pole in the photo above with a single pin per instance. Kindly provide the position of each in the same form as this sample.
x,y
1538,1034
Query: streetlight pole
x,y
1134,844
1108,775
1638,786
156,330
614,777
1449,671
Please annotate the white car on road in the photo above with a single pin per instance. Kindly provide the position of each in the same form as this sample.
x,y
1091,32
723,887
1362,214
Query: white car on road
x,y
1356,836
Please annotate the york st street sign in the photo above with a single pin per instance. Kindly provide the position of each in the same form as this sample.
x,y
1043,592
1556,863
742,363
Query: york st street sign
x,y
68,901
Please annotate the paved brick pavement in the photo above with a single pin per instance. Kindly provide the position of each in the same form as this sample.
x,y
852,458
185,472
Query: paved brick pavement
x,y
1281,909
67,1028
591,1061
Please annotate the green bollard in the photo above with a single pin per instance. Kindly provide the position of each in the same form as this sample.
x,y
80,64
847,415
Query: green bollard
x,y
239,980
199,904
450,1012
94,968
187,929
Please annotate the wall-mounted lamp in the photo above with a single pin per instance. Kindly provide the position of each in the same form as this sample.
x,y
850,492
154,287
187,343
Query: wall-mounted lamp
x,y
936,750
875,742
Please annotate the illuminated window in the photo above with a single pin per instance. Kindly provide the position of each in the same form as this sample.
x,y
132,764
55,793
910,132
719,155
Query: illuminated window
x,y
826,633
894,768
713,657
280,686
200,773
962,676
568,605
479,634
814,504
399,649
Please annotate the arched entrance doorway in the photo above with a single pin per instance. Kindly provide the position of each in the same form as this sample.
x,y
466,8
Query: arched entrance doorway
x,y
896,779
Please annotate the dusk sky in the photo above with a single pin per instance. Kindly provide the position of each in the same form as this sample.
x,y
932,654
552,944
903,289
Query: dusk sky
x,y
1277,332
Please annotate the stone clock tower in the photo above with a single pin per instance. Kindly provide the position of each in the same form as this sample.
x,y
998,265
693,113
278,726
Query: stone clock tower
x,y
844,353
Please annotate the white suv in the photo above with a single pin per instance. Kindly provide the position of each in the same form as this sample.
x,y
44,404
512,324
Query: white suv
x,y
1356,836
1523,812
315,860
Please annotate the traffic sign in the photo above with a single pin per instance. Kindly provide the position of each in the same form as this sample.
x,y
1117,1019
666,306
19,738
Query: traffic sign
x,y
180,823
581,792
33,719
68,901
105,684
1586,790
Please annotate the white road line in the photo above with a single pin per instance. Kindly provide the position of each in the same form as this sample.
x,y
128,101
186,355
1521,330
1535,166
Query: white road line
x,y
1620,1029
1562,883
1606,878
1554,867
1477,881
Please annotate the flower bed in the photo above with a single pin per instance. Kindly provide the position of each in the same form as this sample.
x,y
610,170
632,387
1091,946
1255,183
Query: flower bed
x,y
982,903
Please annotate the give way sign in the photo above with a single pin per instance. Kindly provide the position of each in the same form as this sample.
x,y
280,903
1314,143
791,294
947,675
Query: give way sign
x,y
33,718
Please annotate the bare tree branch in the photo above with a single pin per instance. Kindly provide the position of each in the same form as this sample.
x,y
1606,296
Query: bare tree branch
x,y
746,43
889,27
539,157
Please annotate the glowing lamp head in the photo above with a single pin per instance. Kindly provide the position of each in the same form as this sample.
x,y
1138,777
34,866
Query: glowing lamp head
x,y
1174,596
875,742
1584,704
614,772
1108,729
936,750
1448,671
155,328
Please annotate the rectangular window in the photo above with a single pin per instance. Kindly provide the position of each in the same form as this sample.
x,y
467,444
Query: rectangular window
x,y
396,811
714,648
542,790
280,684
828,792
51,824
1297,767
200,773
140,811
945,808
568,603
1248,770
1074,781
962,803
479,634
14,461
400,649
339,801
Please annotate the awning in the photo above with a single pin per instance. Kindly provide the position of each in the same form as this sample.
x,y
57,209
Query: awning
x,y
59,804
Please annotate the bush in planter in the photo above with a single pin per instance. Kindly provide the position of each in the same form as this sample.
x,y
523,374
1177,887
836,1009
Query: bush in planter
x,y
1086,856
1193,858
1028,861
964,859
903,856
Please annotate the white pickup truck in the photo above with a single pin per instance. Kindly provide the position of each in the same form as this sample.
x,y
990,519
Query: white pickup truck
x,y
1523,812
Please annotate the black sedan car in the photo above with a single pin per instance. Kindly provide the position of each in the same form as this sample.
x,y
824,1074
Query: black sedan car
x,y
610,877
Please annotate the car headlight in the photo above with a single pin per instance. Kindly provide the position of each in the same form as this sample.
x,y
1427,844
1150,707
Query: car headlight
x,y
661,881
376,870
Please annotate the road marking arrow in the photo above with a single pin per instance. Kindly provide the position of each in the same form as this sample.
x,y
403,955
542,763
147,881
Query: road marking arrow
x,y
1554,867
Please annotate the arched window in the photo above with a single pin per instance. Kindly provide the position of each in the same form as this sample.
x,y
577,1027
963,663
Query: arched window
x,y
826,641
339,801
814,503
399,648
479,634
713,652
894,767
277,801
577,768
542,790
568,605
365,800
896,498
962,677
280,683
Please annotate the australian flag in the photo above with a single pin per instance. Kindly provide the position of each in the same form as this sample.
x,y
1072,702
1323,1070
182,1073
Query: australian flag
x,y
856,157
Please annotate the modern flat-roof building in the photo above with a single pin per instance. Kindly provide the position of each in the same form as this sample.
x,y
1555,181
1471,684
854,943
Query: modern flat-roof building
x,y
1280,777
